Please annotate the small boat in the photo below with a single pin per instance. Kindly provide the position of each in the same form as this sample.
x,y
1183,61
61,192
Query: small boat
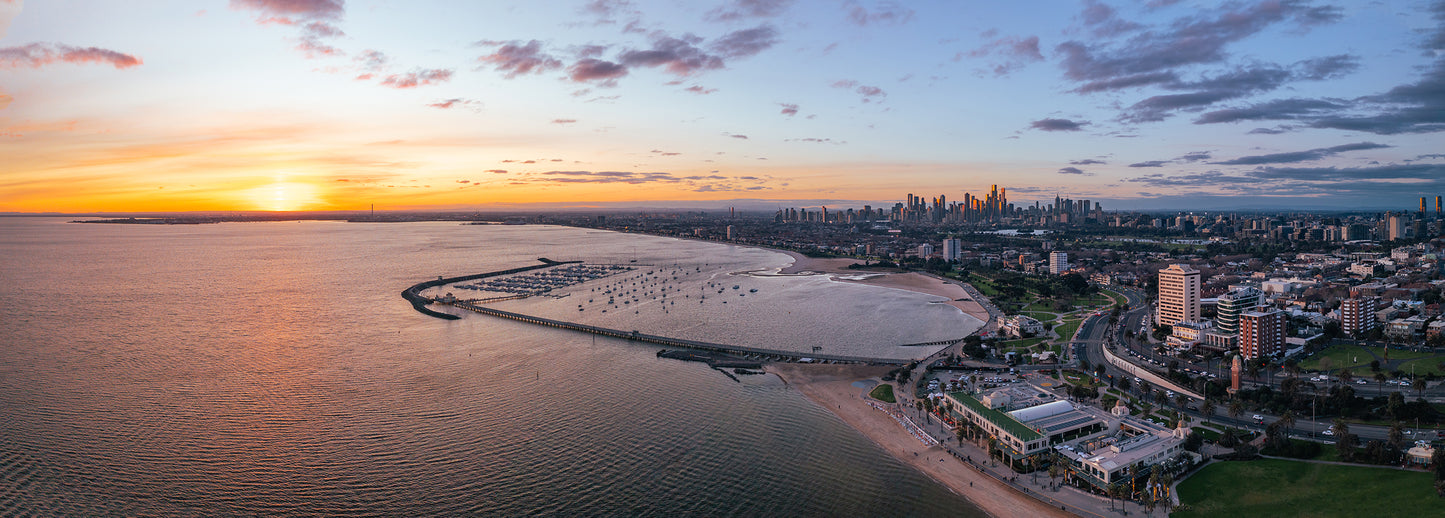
x,y
754,290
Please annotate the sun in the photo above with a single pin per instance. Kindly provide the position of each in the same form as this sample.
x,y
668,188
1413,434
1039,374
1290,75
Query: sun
x,y
283,194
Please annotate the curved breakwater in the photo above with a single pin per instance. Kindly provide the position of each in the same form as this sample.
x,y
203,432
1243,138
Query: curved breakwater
x,y
419,302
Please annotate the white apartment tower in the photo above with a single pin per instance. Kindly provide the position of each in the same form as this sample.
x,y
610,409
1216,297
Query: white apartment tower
x,y
1178,295
1058,262
1357,315
952,249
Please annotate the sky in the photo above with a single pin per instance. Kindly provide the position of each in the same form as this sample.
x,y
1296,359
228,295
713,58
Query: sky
x,y
232,105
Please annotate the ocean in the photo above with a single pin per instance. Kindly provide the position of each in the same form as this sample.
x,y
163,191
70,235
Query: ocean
x,y
273,369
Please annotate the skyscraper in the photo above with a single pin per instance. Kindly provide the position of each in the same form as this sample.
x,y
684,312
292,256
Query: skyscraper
x,y
1178,295
1234,304
1261,333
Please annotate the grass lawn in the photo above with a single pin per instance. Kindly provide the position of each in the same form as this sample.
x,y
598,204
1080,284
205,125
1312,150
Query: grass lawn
x,y
1066,331
1396,354
1423,366
1341,356
1290,488
1020,344
1041,316
984,285
883,392
1040,307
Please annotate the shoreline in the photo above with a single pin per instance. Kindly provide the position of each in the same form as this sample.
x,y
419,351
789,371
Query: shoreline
x,y
831,387
917,282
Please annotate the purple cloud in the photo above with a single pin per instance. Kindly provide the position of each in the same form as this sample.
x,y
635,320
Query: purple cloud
x,y
515,58
1058,125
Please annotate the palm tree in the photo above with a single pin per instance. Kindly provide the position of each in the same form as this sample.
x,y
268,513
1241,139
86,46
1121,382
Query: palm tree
x,y
1346,376
1287,419
1236,408
1380,381
1340,428
1419,386
1207,408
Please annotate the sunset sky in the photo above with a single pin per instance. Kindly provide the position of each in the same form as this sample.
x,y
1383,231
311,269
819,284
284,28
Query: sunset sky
x,y
334,104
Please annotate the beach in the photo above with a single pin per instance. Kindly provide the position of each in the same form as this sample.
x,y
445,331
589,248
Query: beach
x,y
831,386
837,269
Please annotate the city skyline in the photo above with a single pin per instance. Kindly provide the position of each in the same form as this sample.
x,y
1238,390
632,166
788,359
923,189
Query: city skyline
x,y
333,105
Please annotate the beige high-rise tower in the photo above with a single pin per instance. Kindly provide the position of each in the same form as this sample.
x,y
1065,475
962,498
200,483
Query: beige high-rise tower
x,y
1178,295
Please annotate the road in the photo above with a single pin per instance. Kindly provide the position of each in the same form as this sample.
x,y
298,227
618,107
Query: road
x,y
1095,333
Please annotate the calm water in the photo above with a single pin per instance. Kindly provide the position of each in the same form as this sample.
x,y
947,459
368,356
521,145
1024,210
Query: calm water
x,y
272,368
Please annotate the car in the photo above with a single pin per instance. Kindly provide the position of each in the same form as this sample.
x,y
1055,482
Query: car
x,y
1361,382
1258,417
1328,432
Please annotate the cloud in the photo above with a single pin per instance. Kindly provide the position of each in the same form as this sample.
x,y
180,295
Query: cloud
x,y
1058,125
515,58
789,109
291,11
1086,161
883,12
1017,53
417,78
1151,163
497,171
314,19
591,69
1267,131
742,9
814,140
1194,156
1281,109
869,93
451,103
746,42
1156,56
564,121
36,55
1302,156
736,136
697,89
1074,170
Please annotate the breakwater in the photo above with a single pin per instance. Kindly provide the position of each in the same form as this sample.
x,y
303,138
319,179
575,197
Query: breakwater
x,y
419,303
676,342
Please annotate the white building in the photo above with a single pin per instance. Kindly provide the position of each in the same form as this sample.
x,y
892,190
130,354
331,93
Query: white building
x,y
952,249
1058,263
1178,295
925,250
1020,325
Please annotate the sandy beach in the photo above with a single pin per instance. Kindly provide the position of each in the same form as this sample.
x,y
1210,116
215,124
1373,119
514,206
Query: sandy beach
x,y
831,386
911,281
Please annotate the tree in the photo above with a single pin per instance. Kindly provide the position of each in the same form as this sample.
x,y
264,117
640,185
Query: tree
x,y
1054,472
1396,436
1346,376
1379,379
1236,408
1287,419
1419,386
1207,408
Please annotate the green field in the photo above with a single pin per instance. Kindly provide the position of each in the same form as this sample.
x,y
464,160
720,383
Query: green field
x,y
1423,366
883,392
1341,356
1066,331
1291,488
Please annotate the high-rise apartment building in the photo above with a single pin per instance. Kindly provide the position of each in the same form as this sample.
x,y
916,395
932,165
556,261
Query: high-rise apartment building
x,y
1058,262
1178,295
1261,334
1395,226
1234,304
1357,315
924,251
952,249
